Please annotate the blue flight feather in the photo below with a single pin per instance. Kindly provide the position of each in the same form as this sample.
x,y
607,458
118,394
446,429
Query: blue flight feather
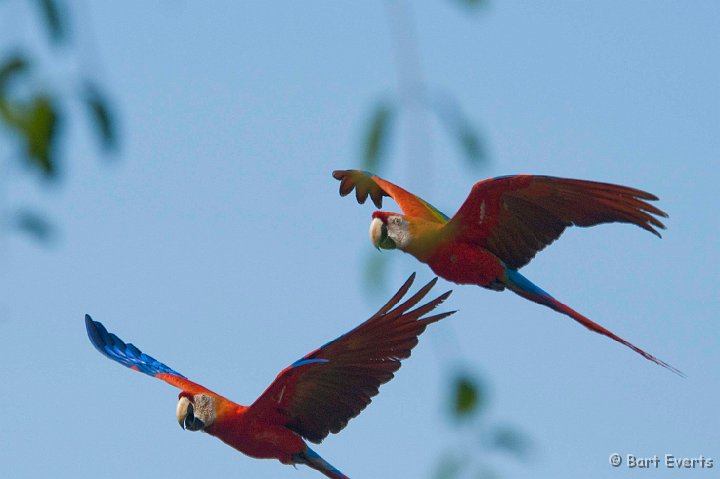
x,y
313,459
303,362
126,354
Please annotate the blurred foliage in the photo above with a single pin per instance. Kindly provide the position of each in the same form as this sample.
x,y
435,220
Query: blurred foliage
x,y
15,63
32,116
459,126
414,92
479,438
471,144
379,128
53,13
472,4
33,119
467,396
377,135
38,124
449,466
101,116
34,225
511,440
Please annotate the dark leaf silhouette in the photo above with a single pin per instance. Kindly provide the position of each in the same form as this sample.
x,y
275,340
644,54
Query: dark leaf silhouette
x,y
377,135
39,126
450,467
35,225
458,126
101,116
511,440
471,144
32,117
13,65
468,397
52,12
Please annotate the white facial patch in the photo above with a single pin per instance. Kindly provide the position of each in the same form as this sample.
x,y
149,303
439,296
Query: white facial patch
x,y
204,408
399,231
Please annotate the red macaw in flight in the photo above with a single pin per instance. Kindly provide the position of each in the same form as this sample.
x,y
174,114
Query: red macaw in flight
x,y
500,227
316,395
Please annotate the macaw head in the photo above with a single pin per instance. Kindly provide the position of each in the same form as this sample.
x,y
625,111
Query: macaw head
x,y
389,231
195,412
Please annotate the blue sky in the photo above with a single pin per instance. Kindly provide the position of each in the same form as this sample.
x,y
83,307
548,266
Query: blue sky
x,y
218,244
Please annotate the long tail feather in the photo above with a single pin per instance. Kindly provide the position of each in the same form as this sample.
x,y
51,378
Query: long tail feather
x,y
313,460
522,286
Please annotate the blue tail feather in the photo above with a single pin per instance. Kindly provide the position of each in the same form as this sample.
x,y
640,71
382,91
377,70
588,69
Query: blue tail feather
x,y
516,282
313,459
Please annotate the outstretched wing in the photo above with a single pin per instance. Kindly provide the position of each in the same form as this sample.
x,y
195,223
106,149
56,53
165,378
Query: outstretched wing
x,y
516,216
128,355
366,184
322,391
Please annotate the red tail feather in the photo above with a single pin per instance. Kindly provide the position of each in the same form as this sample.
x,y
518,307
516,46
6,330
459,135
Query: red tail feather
x,y
539,296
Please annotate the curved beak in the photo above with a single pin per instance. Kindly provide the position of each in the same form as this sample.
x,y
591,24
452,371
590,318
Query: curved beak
x,y
185,414
378,232
379,235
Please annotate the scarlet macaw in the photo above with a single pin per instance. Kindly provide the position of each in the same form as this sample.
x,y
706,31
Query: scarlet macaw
x,y
500,227
317,394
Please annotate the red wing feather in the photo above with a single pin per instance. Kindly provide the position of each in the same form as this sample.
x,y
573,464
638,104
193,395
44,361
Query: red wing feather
x,y
514,217
322,391
366,184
